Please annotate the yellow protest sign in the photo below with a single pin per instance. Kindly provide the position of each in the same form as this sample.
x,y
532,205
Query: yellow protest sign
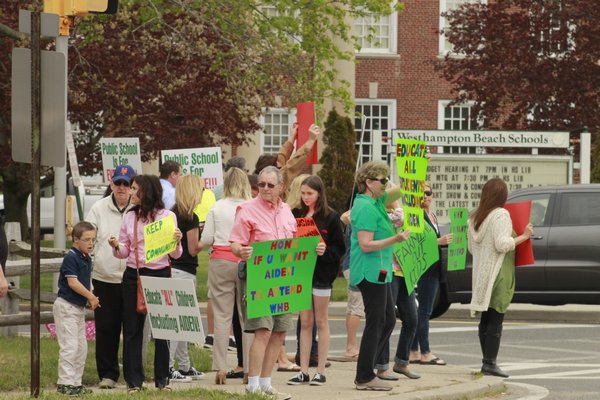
x,y
159,238
412,169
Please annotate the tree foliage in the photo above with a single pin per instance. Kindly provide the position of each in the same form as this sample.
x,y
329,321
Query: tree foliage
x,y
527,64
185,73
338,160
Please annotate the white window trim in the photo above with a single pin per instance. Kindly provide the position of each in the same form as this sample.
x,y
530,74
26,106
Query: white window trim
x,y
442,104
393,38
442,24
291,112
376,142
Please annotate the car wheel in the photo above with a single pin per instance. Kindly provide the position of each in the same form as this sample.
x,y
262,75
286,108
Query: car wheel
x,y
441,303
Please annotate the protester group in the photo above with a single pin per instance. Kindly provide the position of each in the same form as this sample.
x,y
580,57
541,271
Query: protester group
x,y
103,268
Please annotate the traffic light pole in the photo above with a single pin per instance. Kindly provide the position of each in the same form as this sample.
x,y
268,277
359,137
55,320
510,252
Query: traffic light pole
x,y
60,173
36,158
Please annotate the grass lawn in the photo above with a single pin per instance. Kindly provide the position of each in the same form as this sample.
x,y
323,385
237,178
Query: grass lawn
x,y
46,279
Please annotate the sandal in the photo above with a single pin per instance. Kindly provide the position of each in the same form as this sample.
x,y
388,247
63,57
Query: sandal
x,y
290,368
433,361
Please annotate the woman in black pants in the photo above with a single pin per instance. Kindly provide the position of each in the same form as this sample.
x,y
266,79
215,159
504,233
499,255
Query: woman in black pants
x,y
371,267
146,196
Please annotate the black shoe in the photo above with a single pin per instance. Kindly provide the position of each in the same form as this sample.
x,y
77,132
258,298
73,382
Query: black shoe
x,y
318,380
300,379
231,346
235,374
493,369
208,342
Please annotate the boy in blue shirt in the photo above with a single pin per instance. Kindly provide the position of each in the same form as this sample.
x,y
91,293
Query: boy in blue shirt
x,y
69,309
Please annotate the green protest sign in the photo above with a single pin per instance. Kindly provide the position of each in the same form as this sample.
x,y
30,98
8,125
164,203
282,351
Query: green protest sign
x,y
412,170
416,254
159,238
280,276
457,250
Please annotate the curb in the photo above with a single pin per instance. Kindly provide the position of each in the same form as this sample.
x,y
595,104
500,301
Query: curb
x,y
483,387
532,313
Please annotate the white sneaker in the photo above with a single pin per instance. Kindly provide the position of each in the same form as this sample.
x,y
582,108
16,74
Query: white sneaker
x,y
276,395
192,373
107,383
176,376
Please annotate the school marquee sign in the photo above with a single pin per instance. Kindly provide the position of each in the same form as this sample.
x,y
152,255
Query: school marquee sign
x,y
486,138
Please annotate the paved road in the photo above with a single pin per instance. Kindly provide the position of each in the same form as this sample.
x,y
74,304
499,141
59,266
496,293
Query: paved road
x,y
546,360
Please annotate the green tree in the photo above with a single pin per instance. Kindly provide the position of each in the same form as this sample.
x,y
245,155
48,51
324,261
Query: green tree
x,y
338,160
187,73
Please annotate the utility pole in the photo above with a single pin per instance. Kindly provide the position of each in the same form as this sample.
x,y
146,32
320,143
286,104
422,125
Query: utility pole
x,y
34,123
36,157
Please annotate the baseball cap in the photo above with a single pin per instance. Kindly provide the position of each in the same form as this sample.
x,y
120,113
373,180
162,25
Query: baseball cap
x,y
123,173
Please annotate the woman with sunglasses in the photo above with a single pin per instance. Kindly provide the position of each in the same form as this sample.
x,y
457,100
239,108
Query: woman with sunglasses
x,y
371,267
106,215
146,197
427,288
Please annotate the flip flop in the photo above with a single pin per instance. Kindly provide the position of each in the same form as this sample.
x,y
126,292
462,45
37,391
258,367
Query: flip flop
x,y
433,361
290,368
414,361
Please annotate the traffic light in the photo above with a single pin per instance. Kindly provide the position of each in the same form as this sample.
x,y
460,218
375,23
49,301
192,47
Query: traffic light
x,y
80,7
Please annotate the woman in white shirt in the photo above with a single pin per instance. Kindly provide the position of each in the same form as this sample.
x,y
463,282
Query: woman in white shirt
x,y
223,281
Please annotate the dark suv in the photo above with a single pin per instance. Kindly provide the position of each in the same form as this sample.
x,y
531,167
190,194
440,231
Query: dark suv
x,y
566,246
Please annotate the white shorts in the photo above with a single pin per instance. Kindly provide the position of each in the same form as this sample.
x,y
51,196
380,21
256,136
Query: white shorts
x,y
321,292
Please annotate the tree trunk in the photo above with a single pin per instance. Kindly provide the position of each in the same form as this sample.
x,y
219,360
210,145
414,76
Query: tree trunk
x,y
16,178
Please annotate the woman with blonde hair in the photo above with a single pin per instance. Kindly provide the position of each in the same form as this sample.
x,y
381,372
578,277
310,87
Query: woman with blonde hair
x,y
293,195
223,281
371,267
188,194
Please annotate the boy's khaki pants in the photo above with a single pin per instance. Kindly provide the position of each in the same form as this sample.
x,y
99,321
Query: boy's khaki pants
x,y
70,331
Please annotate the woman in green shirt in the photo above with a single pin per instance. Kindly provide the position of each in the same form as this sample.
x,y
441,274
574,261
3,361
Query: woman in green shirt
x,y
371,267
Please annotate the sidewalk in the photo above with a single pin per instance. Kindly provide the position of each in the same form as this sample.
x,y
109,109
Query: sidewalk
x,y
437,382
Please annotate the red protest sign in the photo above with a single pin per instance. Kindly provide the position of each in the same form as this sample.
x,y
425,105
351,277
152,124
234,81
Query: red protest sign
x,y
519,214
306,117
307,227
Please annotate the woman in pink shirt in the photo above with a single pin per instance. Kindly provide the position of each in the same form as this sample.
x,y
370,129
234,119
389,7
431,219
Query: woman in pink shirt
x,y
146,196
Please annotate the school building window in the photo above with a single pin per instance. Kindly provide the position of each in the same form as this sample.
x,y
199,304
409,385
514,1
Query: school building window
x,y
275,125
377,33
373,122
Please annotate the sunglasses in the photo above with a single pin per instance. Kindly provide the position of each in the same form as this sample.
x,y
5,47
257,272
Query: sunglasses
x,y
428,192
383,181
121,183
265,184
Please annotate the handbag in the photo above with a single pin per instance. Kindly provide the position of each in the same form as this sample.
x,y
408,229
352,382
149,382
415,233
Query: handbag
x,y
140,304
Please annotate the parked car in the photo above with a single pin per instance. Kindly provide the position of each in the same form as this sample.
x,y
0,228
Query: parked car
x,y
566,247
93,193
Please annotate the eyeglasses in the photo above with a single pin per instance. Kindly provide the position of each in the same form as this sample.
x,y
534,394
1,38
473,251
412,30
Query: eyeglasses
x,y
121,183
428,193
383,181
265,184
89,240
